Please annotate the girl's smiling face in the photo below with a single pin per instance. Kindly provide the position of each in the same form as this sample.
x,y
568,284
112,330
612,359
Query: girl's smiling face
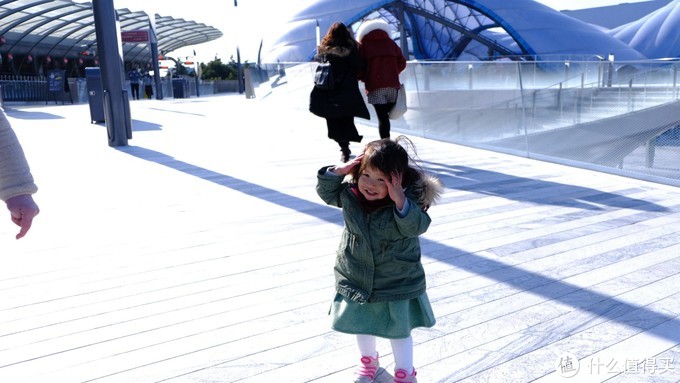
x,y
371,184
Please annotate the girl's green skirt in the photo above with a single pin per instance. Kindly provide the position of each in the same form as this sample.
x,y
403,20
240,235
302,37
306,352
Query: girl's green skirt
x,y
393,320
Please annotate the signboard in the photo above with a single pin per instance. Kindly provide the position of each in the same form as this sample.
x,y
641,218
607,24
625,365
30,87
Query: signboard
x,y
57,84
135,36
55,81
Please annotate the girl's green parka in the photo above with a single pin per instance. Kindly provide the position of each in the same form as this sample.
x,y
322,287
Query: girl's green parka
x,y
378,259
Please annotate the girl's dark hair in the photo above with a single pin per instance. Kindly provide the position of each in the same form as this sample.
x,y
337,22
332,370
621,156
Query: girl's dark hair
x,y
339,35
390,156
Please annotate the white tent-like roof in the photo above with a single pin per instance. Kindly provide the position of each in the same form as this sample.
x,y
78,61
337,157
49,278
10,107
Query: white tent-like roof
x,y
475,30
657,35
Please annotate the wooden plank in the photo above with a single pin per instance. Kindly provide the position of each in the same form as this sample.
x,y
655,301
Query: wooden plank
x,y
211,258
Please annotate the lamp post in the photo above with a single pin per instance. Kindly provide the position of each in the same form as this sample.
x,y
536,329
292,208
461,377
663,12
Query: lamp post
x,y
197,74
318,33
610,71
153,45
600,71
239,71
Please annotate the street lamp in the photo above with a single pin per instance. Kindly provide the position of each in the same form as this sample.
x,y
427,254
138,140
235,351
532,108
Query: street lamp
x,y
600,71
197,74
239,71
318,33
610,73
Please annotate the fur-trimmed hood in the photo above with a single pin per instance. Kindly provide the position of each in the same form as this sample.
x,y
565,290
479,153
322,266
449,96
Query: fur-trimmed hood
x,y
374,25
428,189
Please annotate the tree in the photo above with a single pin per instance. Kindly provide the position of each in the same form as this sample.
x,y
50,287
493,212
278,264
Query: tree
x,y
217,70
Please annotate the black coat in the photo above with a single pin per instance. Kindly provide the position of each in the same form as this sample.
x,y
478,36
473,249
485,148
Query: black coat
x,y
346,100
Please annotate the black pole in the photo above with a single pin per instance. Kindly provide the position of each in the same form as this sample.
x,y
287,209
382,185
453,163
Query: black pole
x,y
197,66
403,42
116,103
239,71
153,40
198,79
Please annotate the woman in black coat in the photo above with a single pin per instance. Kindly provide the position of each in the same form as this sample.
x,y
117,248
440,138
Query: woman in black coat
x,y
344,101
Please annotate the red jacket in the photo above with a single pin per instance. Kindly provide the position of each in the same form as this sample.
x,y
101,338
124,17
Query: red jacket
x,y
384,60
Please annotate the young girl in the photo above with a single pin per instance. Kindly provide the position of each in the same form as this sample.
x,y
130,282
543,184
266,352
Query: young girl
x,y
379,279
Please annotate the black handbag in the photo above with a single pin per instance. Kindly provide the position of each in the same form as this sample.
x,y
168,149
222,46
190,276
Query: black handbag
x,y
324,77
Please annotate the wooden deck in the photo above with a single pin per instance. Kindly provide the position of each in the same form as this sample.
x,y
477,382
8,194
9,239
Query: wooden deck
x,y
201,253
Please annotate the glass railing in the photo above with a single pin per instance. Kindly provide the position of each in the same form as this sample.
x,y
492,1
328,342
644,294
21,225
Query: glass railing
x,y
610,116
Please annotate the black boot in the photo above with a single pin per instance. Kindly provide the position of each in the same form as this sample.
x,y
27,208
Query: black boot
x,y
344,148
344,157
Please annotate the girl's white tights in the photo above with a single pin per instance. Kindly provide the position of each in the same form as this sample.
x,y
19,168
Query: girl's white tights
x,y
402,349
367,345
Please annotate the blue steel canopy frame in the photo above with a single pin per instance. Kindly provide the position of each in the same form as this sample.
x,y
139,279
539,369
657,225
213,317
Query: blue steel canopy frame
x,y
449,29
446,30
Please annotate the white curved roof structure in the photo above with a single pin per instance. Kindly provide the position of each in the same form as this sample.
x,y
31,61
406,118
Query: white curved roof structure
x,y
469,30
297,43
547,33
656,35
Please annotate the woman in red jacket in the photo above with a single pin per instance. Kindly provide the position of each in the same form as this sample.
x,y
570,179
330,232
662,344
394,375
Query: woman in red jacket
x,y
384,61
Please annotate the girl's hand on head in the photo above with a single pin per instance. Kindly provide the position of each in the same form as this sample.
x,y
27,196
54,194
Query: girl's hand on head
x,y
348,166
395,189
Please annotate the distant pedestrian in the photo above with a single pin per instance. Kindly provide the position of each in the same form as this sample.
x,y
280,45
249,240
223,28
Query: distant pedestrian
x,y
135,77
16,181
379,278
341,104
384,61
148,85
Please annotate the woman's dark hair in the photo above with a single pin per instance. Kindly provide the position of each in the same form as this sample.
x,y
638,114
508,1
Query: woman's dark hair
x,y
339,35
389,156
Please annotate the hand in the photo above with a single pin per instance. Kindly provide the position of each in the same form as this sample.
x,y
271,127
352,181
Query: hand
x,y
348,166
395,190
22,210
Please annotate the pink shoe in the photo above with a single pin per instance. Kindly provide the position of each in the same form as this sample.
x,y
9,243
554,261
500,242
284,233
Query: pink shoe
x,y
401,376
366,370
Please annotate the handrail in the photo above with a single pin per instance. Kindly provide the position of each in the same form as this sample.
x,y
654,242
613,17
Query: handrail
x,y
607,116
